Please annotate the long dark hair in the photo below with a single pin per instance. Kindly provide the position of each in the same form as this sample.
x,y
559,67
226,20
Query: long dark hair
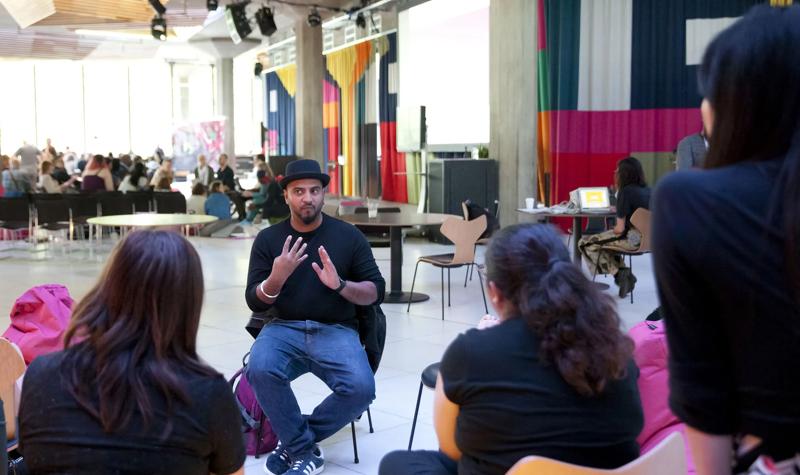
x,y
578,325
629,172
125,337
750,75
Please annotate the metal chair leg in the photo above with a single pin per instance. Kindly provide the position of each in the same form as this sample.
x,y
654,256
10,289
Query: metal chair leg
x,y
355,446
369,418
442,293
483,293
416,411
448,286
466,276
630,260
410,294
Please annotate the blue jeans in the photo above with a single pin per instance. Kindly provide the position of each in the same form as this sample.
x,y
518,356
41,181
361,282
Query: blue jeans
x,y
285,350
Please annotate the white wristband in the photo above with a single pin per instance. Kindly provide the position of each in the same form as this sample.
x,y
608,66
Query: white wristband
x,y
261,288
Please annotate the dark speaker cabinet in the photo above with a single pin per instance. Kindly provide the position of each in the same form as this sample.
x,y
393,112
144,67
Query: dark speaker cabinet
x,y
453,180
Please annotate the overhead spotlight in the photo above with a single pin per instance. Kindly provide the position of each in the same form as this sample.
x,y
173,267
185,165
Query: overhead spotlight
x,y
236,19
314,20
361,22
212,5
266,21
158,7
158,28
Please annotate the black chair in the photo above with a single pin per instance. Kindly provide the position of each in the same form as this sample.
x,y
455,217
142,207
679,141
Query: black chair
x,y
52,213
82,206
169,202
15,215
114,203
142,201
428,380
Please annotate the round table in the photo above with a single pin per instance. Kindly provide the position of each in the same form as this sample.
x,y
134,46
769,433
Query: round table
x,y
150,220
396,222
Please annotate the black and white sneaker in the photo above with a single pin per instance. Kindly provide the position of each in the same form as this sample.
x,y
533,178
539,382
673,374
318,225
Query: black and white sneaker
x,y
311,464
278,461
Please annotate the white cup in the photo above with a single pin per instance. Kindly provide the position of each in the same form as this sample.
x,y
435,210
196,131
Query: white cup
x,y
372,209
530,203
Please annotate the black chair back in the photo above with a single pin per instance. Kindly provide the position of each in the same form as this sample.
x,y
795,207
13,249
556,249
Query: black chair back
x,y
142,200
83,206
50,209
169,202
364,209
15,209
114,203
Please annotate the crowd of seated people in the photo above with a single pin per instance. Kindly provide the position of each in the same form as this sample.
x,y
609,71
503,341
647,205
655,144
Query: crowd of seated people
x,y
553,375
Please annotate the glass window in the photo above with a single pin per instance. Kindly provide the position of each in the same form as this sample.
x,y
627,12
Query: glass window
x,y
106,100
151,109
18,113
59,105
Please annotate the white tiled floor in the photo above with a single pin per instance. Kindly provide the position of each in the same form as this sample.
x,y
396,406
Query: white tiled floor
x,y
414,339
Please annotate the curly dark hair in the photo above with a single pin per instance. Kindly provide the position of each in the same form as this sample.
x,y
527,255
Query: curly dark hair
x,y
577,324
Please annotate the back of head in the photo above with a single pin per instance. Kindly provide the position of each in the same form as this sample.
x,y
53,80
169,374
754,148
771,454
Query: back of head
x,y
630,172
199,189
215,186
98,161
749,76
46,167
128,338
578,326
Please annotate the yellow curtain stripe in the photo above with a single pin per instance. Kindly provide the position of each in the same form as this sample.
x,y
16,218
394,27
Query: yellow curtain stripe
x,y
288,77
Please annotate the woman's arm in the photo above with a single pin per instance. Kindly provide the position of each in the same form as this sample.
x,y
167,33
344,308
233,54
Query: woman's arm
x,y
445,414
712,453
106,175
619,228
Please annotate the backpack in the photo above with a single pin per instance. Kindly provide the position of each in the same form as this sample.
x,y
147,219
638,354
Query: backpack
x,y
475,211
39,318
258,434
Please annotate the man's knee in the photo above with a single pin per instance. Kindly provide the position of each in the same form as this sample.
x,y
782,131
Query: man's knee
x,y
394,462
265,366
360,390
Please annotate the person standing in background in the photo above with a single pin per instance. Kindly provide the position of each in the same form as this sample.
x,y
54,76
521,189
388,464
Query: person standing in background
x,y
692,151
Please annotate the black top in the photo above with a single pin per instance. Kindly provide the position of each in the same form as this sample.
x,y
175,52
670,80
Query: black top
x,y
631,198
60,175
512,405
226,177
731,319
59,436
304,296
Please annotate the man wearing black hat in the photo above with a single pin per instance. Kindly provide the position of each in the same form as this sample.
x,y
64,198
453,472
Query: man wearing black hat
x,y
311,270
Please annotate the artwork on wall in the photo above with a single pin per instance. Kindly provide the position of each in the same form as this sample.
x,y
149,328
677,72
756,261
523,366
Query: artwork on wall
x,y
190,139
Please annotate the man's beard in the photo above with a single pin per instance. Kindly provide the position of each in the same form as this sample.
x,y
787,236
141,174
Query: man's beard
x,y
310,218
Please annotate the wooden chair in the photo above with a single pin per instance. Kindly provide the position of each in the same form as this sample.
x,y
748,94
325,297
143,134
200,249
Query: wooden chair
x,y
641,221
464,235
12,366
666,458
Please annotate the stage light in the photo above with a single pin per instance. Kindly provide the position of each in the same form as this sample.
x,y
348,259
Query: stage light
x,y
361,22
158,28
238,24
158,7
314,19
212,5
266,21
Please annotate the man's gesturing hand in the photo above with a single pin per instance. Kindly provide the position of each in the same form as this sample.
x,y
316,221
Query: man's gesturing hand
x,y
290,258
327,274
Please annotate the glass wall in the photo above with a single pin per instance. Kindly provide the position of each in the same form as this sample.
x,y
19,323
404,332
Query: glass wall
x,y
248,105
101,106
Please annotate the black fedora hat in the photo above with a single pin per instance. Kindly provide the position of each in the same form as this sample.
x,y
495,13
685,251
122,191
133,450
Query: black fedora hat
x,y
304,168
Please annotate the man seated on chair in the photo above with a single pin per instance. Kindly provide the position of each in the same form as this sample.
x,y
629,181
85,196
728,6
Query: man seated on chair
x,y
311,270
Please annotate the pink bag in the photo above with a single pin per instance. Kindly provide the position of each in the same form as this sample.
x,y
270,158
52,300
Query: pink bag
x,y
651,355
39,319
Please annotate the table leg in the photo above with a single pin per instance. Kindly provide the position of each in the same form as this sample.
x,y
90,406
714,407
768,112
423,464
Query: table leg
x,y
396,294
577,234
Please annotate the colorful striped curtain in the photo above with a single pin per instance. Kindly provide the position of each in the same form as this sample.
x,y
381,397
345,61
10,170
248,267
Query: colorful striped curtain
x,y
279,106
394,185
618,78
347,67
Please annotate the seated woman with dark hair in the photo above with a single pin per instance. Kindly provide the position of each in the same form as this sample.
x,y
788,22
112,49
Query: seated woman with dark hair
x,y
602,251
129,393
554,378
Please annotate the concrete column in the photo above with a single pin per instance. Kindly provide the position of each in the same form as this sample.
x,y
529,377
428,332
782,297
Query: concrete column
x,y
223,69
308,100
512,101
